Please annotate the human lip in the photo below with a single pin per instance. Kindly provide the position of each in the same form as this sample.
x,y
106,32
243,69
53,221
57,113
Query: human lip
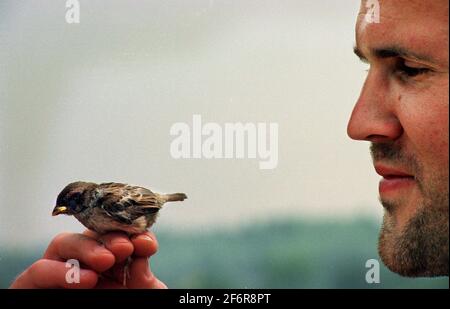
x,y
394,179
391,172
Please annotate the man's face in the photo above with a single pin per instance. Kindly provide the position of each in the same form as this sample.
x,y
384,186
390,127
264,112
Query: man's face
x,y
403,111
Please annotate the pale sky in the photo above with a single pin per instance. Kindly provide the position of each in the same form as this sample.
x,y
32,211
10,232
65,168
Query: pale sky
x,y
95,101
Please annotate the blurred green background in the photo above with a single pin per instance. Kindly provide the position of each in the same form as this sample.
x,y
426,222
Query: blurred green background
x,y
282,254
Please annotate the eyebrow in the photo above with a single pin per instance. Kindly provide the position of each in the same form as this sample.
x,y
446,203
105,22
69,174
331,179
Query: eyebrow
x,y
392,52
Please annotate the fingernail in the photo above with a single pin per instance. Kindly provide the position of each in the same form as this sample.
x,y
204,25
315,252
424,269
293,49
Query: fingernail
x,y
146,237
100,250
119,241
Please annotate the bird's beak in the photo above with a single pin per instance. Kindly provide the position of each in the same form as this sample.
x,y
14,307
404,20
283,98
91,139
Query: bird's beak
x,y
58,210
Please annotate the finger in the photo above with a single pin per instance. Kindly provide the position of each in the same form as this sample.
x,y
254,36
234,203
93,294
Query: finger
x,y
119,244
82,248
91,234
45,274
141,276
145,244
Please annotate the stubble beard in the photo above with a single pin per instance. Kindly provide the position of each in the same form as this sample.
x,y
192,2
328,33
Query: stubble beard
x,y
421,247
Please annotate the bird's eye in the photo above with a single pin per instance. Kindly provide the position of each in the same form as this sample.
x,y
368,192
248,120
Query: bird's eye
x,y
75,202
73,205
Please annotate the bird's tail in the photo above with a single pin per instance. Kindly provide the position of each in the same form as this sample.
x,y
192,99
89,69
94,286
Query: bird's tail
x,y
174,197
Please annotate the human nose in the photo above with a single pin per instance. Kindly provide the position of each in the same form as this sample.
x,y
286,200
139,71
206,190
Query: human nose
x,y
374,118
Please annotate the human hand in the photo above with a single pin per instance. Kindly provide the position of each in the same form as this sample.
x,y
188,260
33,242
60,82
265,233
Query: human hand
x,y
102,259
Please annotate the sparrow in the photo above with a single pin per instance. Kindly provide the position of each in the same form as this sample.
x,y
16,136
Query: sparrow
x,y
112,206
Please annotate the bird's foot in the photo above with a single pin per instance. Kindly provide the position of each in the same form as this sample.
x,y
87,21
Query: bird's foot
x,y
126,271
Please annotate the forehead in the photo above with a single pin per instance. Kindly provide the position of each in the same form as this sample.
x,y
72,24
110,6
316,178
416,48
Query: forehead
x,y
420,26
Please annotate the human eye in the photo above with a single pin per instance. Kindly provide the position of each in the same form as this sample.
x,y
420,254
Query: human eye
x,y
406,69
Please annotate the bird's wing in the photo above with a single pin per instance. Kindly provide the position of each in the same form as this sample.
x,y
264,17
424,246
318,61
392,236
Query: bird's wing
x,y
126,203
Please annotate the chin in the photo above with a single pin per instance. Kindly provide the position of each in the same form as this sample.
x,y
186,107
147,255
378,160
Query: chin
x,y
420,248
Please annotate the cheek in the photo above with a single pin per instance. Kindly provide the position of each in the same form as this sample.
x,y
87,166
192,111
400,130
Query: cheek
x,y
424,118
